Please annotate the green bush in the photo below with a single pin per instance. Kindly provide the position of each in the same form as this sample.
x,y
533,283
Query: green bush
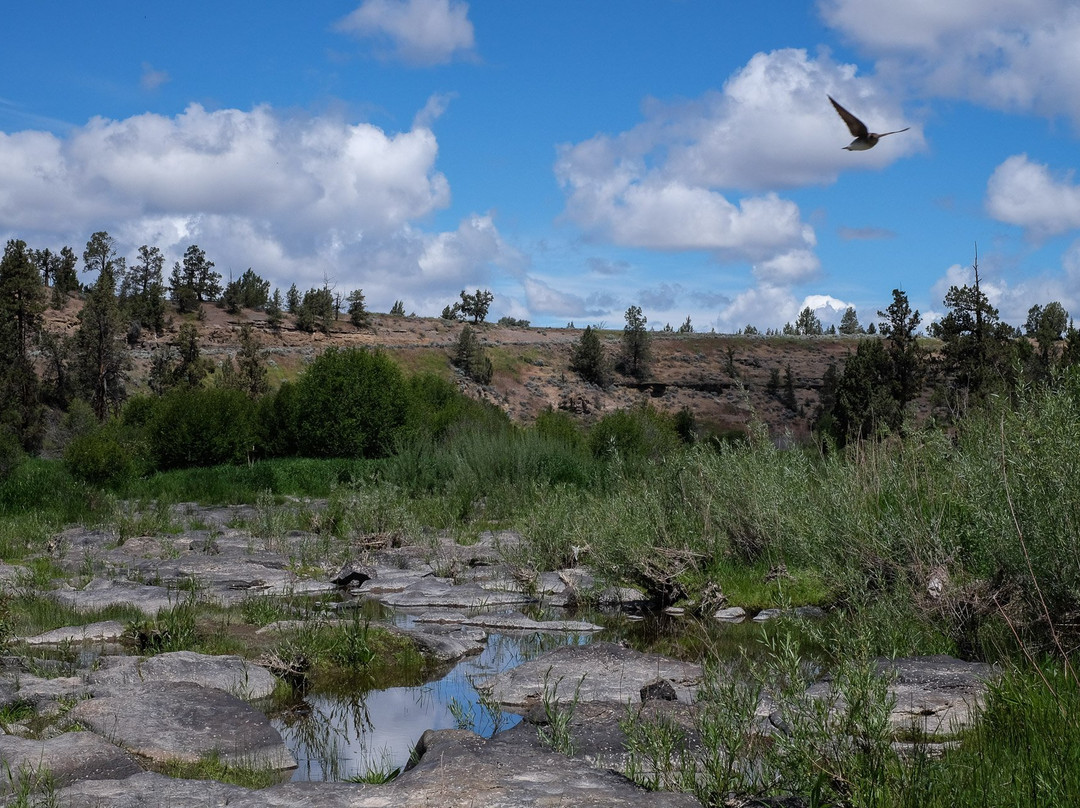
x,y
110,456
638,434
435,406
276,425
349,403
201,427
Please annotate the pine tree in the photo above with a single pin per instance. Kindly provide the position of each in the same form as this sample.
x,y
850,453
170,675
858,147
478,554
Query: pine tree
x,y
358,313
22,304
274,317
849,322
142,290
899,329
634,358
807,323
99,352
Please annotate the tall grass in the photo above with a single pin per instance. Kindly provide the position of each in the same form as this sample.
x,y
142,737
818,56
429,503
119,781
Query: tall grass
x,y
232,485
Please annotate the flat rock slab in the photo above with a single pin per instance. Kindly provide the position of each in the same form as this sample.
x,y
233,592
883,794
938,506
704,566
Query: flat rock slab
x,y
105,631
514,621
44,694
443,646
435,594
183,721
457,769
229,578
936,694
599,671
101,593
233,674
387,581
67,758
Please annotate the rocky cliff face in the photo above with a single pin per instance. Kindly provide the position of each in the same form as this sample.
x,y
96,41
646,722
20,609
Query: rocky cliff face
x,y
722,379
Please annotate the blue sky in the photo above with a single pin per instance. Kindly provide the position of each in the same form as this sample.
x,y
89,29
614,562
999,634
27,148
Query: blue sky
x,y
574,157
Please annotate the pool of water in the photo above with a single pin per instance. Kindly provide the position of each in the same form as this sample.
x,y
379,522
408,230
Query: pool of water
x,y
336,736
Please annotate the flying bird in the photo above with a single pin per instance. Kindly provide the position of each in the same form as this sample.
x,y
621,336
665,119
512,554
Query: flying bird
x,y
864,138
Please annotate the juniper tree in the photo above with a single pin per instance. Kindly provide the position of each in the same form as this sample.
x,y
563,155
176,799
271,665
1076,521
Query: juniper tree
x,y
587,358
470,356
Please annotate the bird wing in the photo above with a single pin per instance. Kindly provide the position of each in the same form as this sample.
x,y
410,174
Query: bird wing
x,y
894,132
857,127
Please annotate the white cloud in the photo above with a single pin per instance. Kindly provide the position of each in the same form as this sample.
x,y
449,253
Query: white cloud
x,y
762,306
668,183
1026,194
453,257
827,308
298,200
151,79
542,298
794,266
420,32
1013,298
1011,54
302,175
433,110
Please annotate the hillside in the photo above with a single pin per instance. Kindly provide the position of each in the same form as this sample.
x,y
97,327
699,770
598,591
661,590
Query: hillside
x,y
531,364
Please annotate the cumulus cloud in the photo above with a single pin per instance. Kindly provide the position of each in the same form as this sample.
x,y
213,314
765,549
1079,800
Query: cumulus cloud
x,y
794,266
762,306
1012,54
1013,297
419,32
1026,194
296,199
770,306
661,298
544,299
673,182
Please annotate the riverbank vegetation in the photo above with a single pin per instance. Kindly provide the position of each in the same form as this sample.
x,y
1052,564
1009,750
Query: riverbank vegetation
x,y
957,533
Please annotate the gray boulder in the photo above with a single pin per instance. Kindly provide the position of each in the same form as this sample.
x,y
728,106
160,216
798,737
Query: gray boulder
x,y
457,769
233,674
433,593
105,631
101,593
184,721
936,695
67,758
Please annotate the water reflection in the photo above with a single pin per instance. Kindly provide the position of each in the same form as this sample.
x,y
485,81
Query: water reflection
x,y
335,736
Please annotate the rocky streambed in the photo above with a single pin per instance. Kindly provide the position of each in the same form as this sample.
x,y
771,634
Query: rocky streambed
x,y
94,722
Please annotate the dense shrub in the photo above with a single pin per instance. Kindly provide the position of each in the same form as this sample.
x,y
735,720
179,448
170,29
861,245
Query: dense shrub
x,y
110,456
201,427
349,403
637,434
276,422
